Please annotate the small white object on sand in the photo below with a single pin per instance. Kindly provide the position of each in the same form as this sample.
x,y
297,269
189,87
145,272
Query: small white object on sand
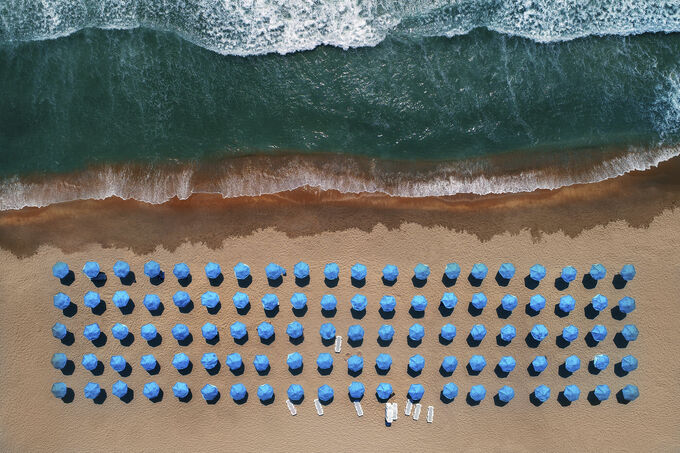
x,y
338,344
395,411
291,407
319,407
416,412
408,408
388,413
430,414
358,408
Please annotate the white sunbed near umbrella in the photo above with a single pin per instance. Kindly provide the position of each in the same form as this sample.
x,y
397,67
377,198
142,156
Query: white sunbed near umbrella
x,y
388,412
416,411
358,408
408,408
291,407
430,414
338,344
319,407
395,411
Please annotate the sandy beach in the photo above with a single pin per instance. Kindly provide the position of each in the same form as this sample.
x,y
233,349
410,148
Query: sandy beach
x,y
630,219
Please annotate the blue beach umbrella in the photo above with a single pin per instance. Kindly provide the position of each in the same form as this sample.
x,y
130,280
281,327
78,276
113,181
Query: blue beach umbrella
x,y
331,271
477,393
450,391
355,363
265,392
61,301
325,393
508,332
449,301
537,302
630,332
180,332
539,332
238,392
234,361
477,363
390,272
452,271
602,392
91,269
599,302
507,364
384,391
570,333
629,363
509,302
209,392
601,361
210,299
358,272
180,389
478,301
598,332
270,302
479,271
359,302
121,299
241,271
328,302
121,269
416,332
356,390
152,302
478,332
597,271
92,390
416,363
181,361
568,274
355,333
571,392
274,271
628,272
507,271
386,332
181,271
209,331
265,330
505,394
630,392
90,362
240,300
91,299
567,303
448,332
416,392
421,271
148,362
261,363
388,303
59,330
152,269
383,362
327,331
212,270
119,389
298,301
537,272
294,330
209,360
92,331
542,393
301,270
324,361
294,360
627,304
60,269
295,392
449,364
572,363
117,363
59,360
419,303
181,299
540,363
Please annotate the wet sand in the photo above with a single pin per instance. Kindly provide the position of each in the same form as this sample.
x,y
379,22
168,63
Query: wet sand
x,y
632,219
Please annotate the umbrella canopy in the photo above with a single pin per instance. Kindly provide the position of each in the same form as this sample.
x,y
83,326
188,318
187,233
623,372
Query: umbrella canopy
x,y
294,360
384,391
180,332
416,332
327,331
356,390
121,269
270,302
448,332
390,272
355,363
181,271
121,299
91,299
324,361
265,392
508,332
601,361
328,302
421,271
599,302
180,389
241,271
152,269
325,393
210,299
602,392
477,393
509,302
265,330
597,271
212,270
238,392
416,362
478,301
181,299
209,331
630,392
507,364
91,269
148,362
506,393
209,392
477,363
449,364
90,362
234,361
386,332
537,272
181,361
118,363
152,302
60,269
331,271
59,360
540,363
450,391
537,302
274,271
298,301
478,332
539,332
449,301
295,392
261,363
355,333
629,363
92,331
384,362
59,330
571,392
507,271
419,303
358,272
240,300
238,330
92,390
209,360
416,392
452,271
61,301
572,363
570,333
630,332
627,304
388,303
119,389
567,303
628,272
294,330
359,302
479,271
301,270
568,274
598,332
542,393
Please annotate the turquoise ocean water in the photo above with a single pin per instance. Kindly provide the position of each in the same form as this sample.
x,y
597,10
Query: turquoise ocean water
x,y
150,99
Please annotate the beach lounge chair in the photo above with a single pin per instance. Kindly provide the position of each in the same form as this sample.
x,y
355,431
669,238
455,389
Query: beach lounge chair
x,y
358,408
408,408
319,407
395,411
388,413
430,414
416,411
338,344
291,407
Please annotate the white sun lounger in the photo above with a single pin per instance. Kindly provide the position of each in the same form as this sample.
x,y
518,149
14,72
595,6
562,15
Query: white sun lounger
x,y
319,407
430,414
338,344
408,408
395,411
291,407
388,412
416,412
358,408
